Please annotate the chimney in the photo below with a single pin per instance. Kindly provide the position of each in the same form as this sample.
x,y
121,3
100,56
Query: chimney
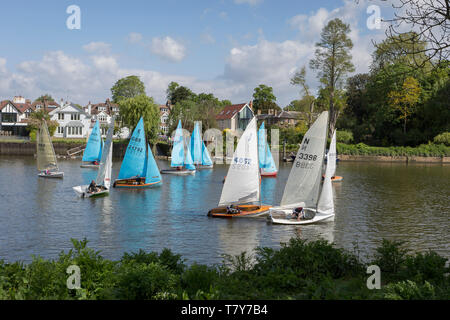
x,y
89,108
250,104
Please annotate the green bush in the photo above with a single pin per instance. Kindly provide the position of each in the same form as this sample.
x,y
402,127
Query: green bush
x,y
424,150
409,290
443,138
344,136
199,279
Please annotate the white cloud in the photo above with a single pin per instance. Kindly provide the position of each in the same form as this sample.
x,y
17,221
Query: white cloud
x,y
2,65
168,49
207,37
249,2
134,37
97,47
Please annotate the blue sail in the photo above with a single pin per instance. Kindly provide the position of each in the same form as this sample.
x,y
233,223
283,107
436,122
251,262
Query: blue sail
x,y
134,161
196,146
93,151
270,163
178,148
262,145
206,159
188,162
151,172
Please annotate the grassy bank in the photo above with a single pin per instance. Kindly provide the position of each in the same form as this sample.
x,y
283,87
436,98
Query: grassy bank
x,y
299,270
424,150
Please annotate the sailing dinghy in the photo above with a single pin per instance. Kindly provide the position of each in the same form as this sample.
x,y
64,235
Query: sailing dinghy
x,y
46,158
333,155
302,187
199,152
181,156
266,162
103,180
242,187
93,152
139,168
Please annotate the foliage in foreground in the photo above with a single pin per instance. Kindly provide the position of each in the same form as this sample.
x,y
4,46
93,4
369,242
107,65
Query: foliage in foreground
x,y
424,150
299,270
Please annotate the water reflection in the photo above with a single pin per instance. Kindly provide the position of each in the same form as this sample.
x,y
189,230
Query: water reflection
x,y
374,201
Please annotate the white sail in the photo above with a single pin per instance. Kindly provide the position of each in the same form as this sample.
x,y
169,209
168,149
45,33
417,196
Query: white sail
x,y
326,204
46,158
104,172
242,184
306,173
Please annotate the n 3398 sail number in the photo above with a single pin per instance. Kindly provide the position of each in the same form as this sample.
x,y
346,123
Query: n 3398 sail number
x,y
302,158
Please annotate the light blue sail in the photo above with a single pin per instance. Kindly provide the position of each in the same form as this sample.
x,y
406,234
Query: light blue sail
x,y
134,161
93,151
262,146
151,171
206,159
178,148
188,162
270,163
196,145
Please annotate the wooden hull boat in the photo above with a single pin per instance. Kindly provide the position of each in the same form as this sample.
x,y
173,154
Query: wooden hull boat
x,y
283,217
245,210
178,172
55,174
130,183
82,191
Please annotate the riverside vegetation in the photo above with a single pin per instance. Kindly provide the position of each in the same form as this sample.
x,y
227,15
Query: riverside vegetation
x,y
298,270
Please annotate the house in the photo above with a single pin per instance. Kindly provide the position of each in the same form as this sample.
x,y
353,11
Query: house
x,y
164,112
13,116
235,117
102,112
284,118
73,121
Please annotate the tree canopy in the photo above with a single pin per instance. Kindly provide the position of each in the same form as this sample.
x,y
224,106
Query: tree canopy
x,y
128,87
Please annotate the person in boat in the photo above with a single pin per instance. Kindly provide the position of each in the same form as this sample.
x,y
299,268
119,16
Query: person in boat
x,y
298,213
47,172
95,162
92,187
231,209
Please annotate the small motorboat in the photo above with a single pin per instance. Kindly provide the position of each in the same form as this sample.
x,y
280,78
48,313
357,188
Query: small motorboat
x,y
51,174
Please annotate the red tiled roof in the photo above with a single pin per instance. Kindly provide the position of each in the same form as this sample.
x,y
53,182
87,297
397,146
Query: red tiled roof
x,y
108,105
228,112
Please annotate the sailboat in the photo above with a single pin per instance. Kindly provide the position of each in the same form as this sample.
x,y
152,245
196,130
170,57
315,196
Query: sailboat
x,y
181,156
139,168
333,155
303,186
242,186
103,180
199,152
46,158
266,162
93,152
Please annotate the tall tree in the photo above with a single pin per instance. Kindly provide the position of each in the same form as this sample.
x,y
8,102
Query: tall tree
x,y
128,87
333,62
431,21
264,99
45,97
176,93
299,78
132,109
405,99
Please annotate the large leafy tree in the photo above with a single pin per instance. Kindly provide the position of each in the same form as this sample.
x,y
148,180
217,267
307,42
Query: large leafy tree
x,y
128,87
132,109
333,62
176,93
36,118
405,99
264,99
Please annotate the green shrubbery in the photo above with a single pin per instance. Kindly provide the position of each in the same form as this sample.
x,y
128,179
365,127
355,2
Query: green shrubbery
x,y
424,150
344,136
299,270
443,138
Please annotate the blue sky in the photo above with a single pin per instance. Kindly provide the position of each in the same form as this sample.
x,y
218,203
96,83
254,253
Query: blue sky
x,y
225,47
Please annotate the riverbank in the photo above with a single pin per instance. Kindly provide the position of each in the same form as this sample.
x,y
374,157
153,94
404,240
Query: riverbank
x,y
288,273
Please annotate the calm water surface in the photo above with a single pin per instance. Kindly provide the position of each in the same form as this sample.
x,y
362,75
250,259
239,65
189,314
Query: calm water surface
x,y
374,201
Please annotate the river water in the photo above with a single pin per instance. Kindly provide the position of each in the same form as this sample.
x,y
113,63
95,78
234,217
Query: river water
x,y
374,201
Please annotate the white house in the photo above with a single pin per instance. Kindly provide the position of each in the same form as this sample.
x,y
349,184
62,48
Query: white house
x,y
103,112
73,121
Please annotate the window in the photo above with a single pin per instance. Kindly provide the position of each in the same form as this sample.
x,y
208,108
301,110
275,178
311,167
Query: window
x,y
60,130
60,116
75,116
9,117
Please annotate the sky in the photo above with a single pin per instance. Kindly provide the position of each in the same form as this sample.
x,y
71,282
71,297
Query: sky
x,y
224,47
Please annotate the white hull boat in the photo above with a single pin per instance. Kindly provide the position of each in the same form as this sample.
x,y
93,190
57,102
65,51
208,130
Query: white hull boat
x,y
54,174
